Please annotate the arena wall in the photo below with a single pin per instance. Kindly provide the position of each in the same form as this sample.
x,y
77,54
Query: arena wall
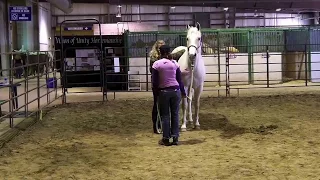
x,y
260,68
239,69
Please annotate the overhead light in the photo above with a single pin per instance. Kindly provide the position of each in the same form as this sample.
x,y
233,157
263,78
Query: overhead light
x,y
279,9
225,9
172,7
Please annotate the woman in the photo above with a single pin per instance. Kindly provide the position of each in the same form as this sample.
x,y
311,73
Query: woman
x,y
154,56
155,52
167,84
18,63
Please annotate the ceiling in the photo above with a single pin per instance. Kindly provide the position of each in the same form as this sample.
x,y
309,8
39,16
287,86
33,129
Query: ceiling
x,y
249,5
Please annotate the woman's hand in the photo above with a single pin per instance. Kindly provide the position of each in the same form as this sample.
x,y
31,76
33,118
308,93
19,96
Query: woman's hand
x,y
185,72
185,96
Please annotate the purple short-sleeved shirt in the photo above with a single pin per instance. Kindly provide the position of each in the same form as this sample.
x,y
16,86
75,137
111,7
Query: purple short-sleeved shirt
x,y
167,71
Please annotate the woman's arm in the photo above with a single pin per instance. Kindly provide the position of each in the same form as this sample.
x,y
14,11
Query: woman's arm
x,y
178,77
152,60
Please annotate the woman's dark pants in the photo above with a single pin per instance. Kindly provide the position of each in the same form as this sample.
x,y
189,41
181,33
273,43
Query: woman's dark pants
x,y
154,110
169,100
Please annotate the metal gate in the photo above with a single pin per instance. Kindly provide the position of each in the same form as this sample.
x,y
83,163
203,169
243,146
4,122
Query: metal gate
x,y
64,66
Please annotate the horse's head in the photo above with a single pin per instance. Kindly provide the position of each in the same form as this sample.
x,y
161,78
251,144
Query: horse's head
x,y
193,41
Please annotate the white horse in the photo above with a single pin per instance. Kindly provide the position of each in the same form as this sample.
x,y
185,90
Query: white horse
x,y
191,60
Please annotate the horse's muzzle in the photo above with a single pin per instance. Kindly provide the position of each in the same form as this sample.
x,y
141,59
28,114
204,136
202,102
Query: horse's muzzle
x,y
192,58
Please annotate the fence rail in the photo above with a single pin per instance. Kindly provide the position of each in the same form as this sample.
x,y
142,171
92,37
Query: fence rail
x,y
28,84
225,71
244,40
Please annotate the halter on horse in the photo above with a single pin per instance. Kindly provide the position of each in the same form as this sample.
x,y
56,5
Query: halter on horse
x,y
192,60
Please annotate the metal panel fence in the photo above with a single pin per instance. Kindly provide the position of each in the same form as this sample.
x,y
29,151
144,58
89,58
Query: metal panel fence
x,y
28,85
315,39
244,40
296,40
260,39
238,71
291,51
226,72
261,60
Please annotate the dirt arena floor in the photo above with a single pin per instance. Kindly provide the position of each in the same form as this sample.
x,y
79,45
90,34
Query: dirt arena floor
x,y
264,138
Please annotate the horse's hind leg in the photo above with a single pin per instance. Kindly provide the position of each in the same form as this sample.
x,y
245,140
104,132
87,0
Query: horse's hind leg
x,y
197,94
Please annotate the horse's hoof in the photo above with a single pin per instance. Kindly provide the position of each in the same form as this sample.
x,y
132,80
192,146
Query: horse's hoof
x,y
190,122
196,127
183,129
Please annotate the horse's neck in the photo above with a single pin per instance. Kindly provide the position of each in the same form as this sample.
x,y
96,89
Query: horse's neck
x,y
198,58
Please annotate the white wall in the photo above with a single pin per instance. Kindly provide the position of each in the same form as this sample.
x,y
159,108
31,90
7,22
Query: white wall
x,y
272,20
4,46
119,28
315,67
26,31
183,16
142,13
238,67
260,68
45,26
83,11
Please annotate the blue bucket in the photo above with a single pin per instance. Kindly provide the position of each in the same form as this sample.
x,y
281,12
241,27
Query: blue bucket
x,y
52,83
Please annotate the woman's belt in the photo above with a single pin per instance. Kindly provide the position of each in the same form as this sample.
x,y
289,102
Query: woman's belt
x,y
169,89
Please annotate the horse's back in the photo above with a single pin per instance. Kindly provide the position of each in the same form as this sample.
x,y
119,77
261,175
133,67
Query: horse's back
x,y
179,48
183,60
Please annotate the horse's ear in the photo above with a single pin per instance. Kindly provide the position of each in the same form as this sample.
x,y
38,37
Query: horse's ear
x,y
198,26
188,26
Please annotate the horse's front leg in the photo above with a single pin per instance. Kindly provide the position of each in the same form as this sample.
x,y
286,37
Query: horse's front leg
x,y
197,94
184,114
190,107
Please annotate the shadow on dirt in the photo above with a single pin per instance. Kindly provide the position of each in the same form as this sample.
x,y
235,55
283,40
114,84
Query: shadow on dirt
x,y
219,122
191,142
128,118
